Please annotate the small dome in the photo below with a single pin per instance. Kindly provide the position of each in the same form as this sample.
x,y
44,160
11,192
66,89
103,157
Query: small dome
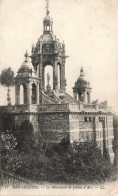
x,y
81,82
26,65
47,19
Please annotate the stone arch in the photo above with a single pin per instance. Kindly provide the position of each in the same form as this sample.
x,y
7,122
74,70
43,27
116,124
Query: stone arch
x,y
47,68
80,95
23,93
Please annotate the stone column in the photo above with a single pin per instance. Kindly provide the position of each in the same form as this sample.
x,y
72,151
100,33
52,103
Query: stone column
x,y
62,78
37,93
17,94
43,78
40,62
55,76
29,93
75,96
89,97
85,97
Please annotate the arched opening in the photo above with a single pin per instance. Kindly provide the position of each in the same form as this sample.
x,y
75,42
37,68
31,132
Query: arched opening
x,y
23,94
48,76
48,27
59,76
34,101
88,97
80,97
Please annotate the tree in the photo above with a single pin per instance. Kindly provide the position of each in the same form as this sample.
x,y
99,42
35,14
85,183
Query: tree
x,y
28,163
7,79
63,162
8,151
77,163
24,133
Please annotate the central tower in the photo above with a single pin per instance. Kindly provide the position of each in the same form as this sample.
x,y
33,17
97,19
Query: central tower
x,y
49,51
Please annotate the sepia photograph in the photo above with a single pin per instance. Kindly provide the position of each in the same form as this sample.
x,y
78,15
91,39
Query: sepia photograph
x,y
59,97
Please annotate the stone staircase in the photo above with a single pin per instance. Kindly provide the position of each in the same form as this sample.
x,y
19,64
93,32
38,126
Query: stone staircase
x,y
47,99
57,97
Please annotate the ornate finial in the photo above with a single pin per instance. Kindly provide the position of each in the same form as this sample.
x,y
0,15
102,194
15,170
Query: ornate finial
x,y
47,7
82,72
26,56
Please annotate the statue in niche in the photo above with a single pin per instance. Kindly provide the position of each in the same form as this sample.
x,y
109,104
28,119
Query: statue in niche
x,y
48,88
48,78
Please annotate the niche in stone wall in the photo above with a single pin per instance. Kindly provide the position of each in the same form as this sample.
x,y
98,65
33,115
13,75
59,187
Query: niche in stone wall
x,y
48,76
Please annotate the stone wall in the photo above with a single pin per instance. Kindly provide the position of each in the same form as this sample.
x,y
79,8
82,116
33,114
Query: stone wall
x,y
55,123
54,127
97,127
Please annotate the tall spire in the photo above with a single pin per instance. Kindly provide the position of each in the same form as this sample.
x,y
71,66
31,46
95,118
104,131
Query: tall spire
x,y
47,7
47,22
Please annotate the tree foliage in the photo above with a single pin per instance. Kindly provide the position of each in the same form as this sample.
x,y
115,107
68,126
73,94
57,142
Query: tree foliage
x,y
63,162
78,163
7,77
8,145
24,134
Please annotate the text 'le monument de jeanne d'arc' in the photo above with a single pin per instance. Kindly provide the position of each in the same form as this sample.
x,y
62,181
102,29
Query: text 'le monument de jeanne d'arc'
x,y
51,110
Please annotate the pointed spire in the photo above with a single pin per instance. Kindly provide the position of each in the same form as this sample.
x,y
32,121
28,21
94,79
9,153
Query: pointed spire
x,y
26,56
47,7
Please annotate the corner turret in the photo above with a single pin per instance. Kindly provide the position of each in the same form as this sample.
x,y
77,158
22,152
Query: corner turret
x,y
82,89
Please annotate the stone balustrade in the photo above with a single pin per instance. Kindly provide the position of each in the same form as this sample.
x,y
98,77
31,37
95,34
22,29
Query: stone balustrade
x,y
72,107
89,106
53,107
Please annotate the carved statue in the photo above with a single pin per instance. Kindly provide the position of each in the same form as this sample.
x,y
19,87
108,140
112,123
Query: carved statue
x,y
48,78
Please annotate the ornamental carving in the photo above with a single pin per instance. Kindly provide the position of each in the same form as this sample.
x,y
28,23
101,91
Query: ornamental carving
x,y
47,49
53,117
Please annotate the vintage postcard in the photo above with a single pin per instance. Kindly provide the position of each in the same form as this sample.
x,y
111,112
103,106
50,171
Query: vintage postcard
x,y
59,97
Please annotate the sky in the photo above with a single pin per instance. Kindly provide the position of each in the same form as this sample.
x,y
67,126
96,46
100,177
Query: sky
x,y
89,29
